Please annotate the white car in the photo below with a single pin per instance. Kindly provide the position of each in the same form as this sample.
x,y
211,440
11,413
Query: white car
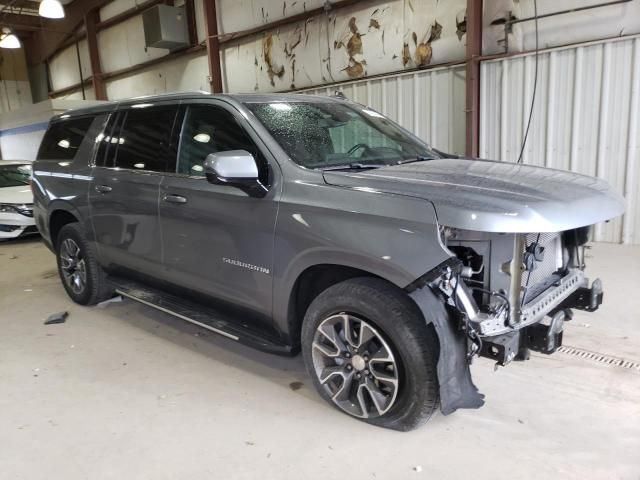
x,y
16,200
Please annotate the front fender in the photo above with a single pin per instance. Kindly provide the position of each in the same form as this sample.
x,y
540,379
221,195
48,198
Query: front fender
x,y
390,236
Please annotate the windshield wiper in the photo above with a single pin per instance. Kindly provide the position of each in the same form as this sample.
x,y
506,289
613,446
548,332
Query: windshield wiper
x,y
352,166
419,158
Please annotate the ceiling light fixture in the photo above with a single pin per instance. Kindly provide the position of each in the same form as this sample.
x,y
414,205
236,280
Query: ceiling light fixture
x,y
51,9
8,39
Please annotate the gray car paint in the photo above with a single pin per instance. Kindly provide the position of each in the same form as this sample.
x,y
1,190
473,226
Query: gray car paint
x,y
219,227
491,196
384,222
125,220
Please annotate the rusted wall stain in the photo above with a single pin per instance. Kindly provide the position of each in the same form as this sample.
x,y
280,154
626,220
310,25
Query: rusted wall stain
x,y
461,24
353,46
272,70
406,55
290,54
423,55
423,50
355,42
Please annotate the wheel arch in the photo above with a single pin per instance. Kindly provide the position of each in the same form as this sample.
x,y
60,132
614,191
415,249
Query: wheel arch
x,y
60,214
312,281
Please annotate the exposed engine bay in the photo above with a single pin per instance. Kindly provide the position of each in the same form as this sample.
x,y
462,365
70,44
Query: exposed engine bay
x,y
512,293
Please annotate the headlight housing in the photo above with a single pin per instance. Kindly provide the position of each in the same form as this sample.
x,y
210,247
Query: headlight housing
x,y
22,209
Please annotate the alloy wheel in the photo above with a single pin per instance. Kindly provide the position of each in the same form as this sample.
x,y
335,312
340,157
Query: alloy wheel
x,y
355,365
73,266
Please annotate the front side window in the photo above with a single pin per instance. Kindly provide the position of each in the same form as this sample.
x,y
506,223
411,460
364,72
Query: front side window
x,y
325,134
15,175
63,139
208,129
143,139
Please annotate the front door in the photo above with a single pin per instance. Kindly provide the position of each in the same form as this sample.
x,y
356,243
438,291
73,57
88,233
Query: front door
x,y
217,239
123,193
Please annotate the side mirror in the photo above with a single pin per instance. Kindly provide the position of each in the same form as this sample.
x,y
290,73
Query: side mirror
x,y
235,167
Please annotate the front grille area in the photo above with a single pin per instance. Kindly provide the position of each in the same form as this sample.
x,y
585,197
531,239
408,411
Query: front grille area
x,y
30,230
538,279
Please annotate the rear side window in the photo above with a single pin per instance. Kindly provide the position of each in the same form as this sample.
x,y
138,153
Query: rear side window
x,y
63,139
144,138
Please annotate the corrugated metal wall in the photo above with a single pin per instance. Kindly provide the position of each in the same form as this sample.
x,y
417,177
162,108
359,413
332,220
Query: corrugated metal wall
x,y
429,103
586,117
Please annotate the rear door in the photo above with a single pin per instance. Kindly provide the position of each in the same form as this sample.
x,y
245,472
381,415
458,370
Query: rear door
x,y
132,158
218,239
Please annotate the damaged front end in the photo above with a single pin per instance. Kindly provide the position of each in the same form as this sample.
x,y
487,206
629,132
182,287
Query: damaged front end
x,y
504,294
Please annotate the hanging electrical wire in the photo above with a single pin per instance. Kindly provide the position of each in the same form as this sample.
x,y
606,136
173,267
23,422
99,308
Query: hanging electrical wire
x,y
535,84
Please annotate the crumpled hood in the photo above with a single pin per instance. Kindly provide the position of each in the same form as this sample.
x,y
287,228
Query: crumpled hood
x,y
493,196
19,195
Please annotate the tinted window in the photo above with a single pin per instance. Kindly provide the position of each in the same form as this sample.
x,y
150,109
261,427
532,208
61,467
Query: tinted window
x,y
107,150
143,139
15,175
63,139
208,129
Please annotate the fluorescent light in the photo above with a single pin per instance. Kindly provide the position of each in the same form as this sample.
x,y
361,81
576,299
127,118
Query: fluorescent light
x,y
202,138
64,143
9,40
51,9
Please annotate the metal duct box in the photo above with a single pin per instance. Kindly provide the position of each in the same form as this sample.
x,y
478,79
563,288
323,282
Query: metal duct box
x,y
165,27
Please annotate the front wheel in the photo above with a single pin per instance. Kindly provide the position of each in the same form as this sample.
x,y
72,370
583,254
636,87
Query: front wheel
x,y
371,354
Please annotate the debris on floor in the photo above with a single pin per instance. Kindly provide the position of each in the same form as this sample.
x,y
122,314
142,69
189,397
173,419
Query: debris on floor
x,y
59,317
108,302
295,386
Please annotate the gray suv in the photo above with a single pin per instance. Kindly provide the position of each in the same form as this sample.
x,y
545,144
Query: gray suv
x,y
293,222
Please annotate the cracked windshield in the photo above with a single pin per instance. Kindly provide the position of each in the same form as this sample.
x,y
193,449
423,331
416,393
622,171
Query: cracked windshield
x,y
333,135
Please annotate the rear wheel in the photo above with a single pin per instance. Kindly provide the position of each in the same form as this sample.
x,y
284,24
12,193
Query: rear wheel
x,y
82,277
371,354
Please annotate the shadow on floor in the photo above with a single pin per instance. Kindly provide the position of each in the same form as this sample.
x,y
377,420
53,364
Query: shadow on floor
x,y
286,371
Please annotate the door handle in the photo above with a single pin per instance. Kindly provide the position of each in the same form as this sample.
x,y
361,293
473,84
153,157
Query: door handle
x,y
174,198
103,188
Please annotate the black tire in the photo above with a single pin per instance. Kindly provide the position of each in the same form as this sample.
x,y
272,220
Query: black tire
x,y
410,338
96,289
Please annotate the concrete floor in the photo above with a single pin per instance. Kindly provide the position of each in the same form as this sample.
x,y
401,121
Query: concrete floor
x,y
125,392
